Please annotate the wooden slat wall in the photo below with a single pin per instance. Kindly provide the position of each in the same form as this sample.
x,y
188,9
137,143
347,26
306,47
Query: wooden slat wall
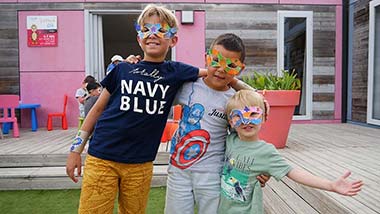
x,y
257,26
360,61
9,74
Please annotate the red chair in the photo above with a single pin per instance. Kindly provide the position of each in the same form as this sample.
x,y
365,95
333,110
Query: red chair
x,y
171,126
58,114
8,103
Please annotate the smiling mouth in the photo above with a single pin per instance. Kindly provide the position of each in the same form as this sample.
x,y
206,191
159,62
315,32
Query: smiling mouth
x,y
153,43
219,77
248,127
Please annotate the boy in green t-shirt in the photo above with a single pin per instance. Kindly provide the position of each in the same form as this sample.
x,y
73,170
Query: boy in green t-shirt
x,y
247,156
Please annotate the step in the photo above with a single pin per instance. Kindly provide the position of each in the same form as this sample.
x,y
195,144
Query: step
x,y
51,160
27,178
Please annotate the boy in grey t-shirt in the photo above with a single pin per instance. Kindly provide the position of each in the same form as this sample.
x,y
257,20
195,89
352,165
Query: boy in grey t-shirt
x,y
197,148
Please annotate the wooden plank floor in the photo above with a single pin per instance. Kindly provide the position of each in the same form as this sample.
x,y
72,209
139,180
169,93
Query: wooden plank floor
x,y
46,145
326,150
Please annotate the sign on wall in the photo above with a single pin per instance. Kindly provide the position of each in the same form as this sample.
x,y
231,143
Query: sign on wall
x,y
42,31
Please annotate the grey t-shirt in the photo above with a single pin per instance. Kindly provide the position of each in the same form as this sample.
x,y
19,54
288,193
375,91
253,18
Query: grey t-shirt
x,y
89,103
240,190
199,142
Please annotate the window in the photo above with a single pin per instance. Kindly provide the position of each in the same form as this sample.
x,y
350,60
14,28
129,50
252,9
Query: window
x,y
295,54
373,96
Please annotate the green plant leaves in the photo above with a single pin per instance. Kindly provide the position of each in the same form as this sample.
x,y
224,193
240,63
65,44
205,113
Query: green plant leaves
x,y
268,81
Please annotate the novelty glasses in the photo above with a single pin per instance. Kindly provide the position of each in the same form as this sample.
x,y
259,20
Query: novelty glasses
x,y
231,66
246,116
163,31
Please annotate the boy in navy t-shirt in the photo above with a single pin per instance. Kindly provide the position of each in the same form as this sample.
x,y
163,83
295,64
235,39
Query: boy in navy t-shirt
x,y
130,116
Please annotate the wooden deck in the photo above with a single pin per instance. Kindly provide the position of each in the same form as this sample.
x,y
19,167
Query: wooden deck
x,y
36,161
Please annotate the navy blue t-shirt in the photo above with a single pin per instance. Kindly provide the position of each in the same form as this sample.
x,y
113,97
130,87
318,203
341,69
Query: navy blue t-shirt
x,y
130,128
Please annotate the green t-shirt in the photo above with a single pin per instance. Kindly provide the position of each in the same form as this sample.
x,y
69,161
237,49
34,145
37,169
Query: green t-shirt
x,y
240,190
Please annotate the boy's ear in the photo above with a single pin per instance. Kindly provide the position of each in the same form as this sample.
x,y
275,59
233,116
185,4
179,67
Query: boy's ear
x,y
243,67
230,122
174,41
138,40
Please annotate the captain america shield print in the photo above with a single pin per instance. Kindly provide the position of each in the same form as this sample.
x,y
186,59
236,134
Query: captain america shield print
x,y
191,142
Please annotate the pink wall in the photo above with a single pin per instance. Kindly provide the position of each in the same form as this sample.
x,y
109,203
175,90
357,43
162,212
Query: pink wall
x,y
67,56
47,73
47,89
190,48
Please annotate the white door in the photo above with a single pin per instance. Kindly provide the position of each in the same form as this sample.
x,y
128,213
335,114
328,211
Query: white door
x,y
295,54
373,96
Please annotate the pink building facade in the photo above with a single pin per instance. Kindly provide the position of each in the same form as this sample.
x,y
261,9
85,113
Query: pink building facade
x,y
45,74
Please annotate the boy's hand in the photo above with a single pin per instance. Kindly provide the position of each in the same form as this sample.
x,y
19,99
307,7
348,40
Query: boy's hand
x,y
344,187
81,100
202,72
74,161
133,59
263,179
267,107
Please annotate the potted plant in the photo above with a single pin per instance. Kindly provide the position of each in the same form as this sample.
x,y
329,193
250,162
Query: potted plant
x,y
283,94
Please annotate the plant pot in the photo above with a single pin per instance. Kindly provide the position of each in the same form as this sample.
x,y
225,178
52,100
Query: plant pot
x,y
282,104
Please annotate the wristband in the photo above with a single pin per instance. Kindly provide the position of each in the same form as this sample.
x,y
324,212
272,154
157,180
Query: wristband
x,y
79,142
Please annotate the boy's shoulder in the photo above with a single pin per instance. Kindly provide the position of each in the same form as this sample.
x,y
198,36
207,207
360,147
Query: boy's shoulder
x,y
198,85
234,137
174,64
180,65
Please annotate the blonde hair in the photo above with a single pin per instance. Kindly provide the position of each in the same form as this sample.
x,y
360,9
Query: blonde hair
x,y
244,98
164,14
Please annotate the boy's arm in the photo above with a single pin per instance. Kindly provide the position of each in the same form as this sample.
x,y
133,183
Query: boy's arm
x,y
96,111
74,159
341,185
202,72
240,85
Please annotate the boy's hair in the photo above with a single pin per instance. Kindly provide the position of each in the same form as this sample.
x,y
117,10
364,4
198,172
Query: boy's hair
x,y
92,85
244,98
89,79
230,42
162,12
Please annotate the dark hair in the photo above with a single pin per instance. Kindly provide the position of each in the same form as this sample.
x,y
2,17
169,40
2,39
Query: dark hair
x,y
230,42
92,85
89,79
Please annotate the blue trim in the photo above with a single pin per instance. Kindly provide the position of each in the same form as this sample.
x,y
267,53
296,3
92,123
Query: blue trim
x,y
363,124
349,60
